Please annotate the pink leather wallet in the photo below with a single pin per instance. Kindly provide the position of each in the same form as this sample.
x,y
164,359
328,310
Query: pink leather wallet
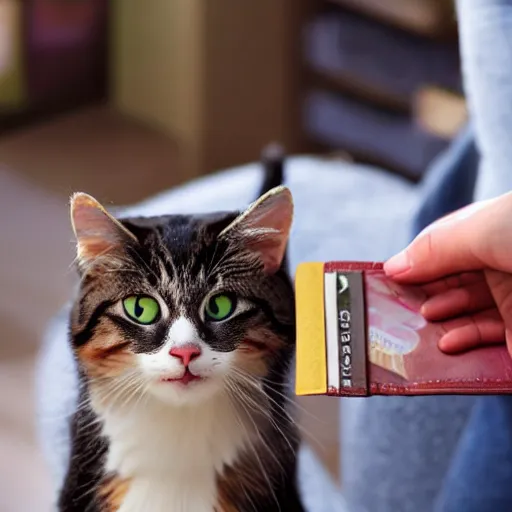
x,y
360,334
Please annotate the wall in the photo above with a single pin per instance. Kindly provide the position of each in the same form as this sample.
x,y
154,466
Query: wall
x,y
215,75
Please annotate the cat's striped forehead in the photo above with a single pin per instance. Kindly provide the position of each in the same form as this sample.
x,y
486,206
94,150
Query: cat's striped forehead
x,y
180,262
181,256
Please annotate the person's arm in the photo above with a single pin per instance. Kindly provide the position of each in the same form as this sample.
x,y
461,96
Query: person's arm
x,y
485,28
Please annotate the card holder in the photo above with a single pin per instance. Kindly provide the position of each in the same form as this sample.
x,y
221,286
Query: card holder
x,y
360,334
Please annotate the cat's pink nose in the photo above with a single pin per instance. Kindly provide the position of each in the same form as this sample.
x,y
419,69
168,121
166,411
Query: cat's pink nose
x,y
186,353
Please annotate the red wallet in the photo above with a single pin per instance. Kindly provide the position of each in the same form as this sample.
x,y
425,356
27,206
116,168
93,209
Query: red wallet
x,y
360,333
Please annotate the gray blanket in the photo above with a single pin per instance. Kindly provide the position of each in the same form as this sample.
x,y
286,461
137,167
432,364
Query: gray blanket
x,y
343,212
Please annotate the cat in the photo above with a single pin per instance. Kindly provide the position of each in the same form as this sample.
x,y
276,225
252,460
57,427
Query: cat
x,y
183,331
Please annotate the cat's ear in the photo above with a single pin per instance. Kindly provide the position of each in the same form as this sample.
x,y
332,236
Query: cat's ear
x,y
97,232
265,226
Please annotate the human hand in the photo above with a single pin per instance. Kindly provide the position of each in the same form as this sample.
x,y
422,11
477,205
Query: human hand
x,y
464,264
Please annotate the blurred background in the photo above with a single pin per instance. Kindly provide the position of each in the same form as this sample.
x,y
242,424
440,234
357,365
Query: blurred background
x,y
124,98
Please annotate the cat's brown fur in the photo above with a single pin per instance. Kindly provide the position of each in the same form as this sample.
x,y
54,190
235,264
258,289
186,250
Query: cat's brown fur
x,y
112,491
180,261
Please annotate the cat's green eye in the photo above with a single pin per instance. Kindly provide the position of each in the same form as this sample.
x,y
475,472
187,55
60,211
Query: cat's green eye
x,y
142,309
219,307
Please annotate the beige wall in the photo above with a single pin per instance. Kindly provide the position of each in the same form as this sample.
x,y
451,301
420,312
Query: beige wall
x,y
248,78
155,70
214,74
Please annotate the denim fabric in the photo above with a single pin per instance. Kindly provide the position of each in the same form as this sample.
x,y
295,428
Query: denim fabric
x,y
404,458
486,46
408,444
450,183
480,476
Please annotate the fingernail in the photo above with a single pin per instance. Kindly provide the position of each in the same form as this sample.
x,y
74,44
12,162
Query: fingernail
x,y
397,264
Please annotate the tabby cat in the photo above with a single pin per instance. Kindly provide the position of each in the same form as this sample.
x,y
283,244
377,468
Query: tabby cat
x,y
183,331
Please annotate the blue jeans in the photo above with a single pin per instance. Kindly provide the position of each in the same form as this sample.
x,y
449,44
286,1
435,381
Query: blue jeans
x,y
480,476
450,183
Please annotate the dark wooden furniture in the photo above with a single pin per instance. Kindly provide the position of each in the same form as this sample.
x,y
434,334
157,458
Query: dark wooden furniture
x,y
64,58
376,79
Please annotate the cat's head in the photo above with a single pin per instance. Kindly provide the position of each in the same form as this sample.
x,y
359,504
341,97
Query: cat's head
x,y
182,306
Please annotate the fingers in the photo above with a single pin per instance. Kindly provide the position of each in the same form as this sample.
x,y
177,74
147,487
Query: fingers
x,y
457,301
456,243
469,332
500,284
460,214
435,254
473,238
456,281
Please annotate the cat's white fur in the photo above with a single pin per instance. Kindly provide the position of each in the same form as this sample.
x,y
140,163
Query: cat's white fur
x,y
212,365
172,442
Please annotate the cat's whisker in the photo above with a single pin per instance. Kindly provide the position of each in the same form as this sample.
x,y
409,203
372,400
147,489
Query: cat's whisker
x,y
260,409
72,265
256,384
251,380
121,269
154,294
92,504
99,259
145,396
134,390
114,391
212,259
220,262
140,391
107,263
257,387
249,499
256,455
143,261
108,384
281,411
294,402
263,411
128,390
264,473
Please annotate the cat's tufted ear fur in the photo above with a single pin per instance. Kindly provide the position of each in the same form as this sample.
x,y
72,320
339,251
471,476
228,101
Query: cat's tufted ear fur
x,y
97,232
265,226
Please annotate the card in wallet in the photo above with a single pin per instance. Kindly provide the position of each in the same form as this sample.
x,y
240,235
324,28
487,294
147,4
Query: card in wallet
x,y
359,334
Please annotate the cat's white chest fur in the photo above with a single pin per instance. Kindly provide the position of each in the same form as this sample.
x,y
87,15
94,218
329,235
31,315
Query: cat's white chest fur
x,y
172,455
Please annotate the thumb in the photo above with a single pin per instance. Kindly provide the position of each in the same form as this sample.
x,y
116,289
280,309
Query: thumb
x,y
469,239
435,253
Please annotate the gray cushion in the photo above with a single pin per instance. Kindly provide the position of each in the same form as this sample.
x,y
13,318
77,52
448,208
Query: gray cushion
x,y
343,212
